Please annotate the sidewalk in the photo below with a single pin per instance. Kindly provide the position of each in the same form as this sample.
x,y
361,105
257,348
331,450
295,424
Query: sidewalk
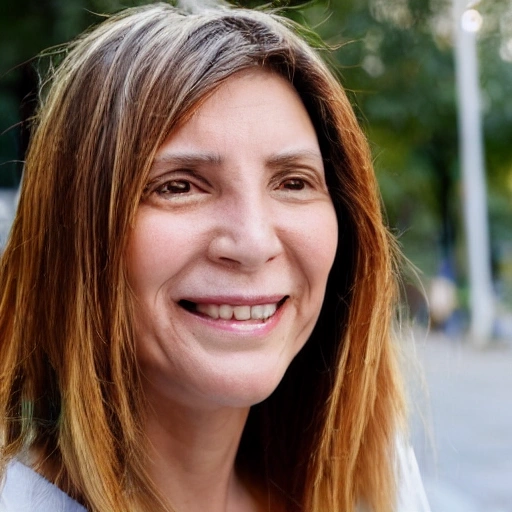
x,y
467,417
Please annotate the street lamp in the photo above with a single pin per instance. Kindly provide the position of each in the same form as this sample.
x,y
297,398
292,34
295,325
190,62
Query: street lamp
x,y
467,24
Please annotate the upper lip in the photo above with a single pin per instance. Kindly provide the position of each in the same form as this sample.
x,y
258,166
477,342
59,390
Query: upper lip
x,y
236,300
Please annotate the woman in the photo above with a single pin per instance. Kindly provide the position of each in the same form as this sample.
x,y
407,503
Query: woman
x,y
198,288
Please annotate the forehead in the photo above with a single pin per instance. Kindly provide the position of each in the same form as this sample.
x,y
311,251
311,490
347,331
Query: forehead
x,y
252,108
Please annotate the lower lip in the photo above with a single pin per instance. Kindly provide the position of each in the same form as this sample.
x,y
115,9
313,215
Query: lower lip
x,y
243,327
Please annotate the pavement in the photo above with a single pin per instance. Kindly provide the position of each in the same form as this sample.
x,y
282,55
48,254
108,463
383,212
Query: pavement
x,y
462,427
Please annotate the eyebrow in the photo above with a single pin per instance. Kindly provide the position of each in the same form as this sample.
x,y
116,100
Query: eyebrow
x,y
187,159
197,159
292,157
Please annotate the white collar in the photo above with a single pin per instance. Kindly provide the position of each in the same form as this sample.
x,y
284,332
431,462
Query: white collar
x,y
24,490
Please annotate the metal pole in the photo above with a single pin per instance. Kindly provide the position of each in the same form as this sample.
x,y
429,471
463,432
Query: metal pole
x,y
467,23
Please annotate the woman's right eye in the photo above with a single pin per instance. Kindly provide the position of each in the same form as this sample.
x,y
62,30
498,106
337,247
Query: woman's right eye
x,y
173,187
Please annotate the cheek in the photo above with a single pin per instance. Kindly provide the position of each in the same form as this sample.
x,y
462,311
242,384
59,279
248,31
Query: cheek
x,y
144,258
319,235
157,249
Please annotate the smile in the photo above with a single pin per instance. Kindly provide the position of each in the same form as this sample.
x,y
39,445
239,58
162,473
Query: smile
x,y
234,312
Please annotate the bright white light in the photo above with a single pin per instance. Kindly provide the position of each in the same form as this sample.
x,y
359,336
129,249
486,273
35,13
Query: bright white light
x,y
471,20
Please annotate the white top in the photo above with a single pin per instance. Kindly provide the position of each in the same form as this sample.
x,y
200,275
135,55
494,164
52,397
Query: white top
x,y
411,493
24,490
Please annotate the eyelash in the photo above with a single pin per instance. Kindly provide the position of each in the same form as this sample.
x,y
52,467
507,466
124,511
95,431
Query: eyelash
x,y
182,187
294,184
163,188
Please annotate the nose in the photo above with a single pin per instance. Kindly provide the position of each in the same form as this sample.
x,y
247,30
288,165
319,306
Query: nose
x,y
246,233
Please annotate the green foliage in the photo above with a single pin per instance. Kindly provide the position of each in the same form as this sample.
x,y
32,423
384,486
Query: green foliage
x,y
397,56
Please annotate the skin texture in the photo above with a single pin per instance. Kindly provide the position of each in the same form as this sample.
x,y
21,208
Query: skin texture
x,y
236,212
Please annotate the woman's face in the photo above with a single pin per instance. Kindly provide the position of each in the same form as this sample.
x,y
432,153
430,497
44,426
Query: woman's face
x,y
232,245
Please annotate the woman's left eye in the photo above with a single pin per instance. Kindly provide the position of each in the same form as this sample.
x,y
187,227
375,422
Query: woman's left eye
x,y
298,185
294,184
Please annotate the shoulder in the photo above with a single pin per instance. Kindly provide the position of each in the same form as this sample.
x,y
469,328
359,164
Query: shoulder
x,y
24,490
411,493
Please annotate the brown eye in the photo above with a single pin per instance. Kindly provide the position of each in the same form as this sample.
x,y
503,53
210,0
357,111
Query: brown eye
x,y
294,184
175,187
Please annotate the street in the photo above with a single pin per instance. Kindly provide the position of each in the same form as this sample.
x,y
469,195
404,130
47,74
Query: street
x,y
462,429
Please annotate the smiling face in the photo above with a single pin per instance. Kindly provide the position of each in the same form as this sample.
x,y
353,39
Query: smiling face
x,y
233,242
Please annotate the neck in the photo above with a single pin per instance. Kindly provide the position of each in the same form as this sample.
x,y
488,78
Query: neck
x,y
193,459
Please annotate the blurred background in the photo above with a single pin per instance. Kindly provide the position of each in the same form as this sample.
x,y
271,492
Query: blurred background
x,y
431,82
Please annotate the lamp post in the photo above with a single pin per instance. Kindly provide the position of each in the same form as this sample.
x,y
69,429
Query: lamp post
x,y
467,23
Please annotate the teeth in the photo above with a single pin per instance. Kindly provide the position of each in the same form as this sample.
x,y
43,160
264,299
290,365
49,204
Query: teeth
x,y
242,312
257,312
211,310
227,312
263,312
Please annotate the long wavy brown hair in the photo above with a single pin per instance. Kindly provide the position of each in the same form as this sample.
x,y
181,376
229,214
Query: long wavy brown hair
x,y
70,393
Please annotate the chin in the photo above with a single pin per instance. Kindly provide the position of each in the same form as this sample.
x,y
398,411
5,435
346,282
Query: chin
x,y
247,388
